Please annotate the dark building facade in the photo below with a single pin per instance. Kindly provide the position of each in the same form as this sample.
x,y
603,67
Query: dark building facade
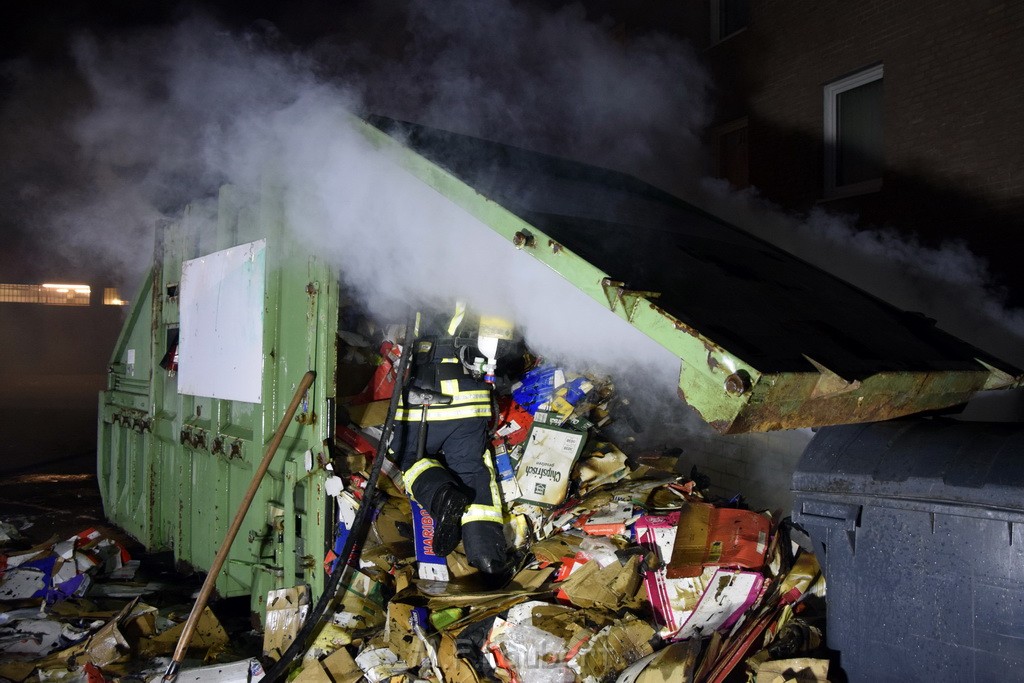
x,y
906,114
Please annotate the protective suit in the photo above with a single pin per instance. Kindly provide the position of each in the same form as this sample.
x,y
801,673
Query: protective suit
x,y
455,479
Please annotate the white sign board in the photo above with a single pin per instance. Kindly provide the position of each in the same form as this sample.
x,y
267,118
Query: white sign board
x,y
220,346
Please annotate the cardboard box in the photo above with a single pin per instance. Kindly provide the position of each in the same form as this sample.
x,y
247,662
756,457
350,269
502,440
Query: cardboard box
x,y
721,537
369,414
548,457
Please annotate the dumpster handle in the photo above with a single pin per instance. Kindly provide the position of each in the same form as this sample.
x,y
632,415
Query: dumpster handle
x,y
222,554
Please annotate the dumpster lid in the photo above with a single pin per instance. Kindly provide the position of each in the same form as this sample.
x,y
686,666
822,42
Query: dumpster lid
x,y
766,341
937,461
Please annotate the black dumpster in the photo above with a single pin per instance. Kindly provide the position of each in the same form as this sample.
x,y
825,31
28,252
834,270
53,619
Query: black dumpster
x,y
919,527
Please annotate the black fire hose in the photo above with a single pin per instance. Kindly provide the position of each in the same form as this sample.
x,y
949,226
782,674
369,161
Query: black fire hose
x,y
357,534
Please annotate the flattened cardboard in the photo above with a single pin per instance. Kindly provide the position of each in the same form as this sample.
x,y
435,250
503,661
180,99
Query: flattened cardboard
x,y
380,664
392,524
712,536
801,670
729,594
606,465
242,671
362,599
342,667
672,600
16,671
554,548
613,647
611,587
530,580
370,414
455,669
671,664
208,634
399,636
286,610
331,637
23,583
32,636
105,647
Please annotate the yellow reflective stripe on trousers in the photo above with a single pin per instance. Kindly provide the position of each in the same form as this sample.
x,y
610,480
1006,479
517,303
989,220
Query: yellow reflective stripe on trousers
x,y
450,387
494,511
416,470
483,513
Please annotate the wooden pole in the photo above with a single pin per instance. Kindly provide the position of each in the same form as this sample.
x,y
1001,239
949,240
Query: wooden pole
x,y
225,548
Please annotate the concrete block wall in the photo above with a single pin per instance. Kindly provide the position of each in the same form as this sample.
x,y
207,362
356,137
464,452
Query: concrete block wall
x,y
758,466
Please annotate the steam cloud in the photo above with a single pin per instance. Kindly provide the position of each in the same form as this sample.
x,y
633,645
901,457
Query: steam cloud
x,y
949,283
176,114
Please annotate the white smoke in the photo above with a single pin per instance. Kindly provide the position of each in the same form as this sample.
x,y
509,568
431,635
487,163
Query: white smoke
x,y
545,79
948,283
177,113
399,242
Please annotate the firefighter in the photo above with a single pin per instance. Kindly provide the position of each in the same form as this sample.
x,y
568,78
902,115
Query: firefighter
x,y
454,478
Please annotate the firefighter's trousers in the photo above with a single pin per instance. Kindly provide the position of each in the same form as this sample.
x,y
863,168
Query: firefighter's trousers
x,y
456,453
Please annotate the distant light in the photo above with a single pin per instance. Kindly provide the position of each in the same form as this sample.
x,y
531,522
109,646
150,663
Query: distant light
x,y
111,297
51,293
77,289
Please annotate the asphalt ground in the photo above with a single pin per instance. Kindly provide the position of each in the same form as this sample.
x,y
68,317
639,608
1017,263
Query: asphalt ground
x,y
48,481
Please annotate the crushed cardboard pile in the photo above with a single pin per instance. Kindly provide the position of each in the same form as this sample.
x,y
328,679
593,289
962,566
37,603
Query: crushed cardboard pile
x,y
72,610
628,571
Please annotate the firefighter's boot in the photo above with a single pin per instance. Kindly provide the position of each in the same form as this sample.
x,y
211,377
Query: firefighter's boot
x,y
446,509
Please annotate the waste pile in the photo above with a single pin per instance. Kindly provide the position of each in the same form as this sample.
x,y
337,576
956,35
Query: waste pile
x,y
628,570
80,609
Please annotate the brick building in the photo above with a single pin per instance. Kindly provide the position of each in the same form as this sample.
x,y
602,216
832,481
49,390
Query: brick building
x,y
907,114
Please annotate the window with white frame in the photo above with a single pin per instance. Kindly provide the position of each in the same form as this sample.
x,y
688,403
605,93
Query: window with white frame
x,y
728,17
854,134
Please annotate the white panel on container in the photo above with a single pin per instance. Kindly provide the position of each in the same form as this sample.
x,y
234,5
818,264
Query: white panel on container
x,y
220,352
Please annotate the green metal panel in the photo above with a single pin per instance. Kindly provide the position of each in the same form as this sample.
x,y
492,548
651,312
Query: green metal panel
x,y
125,423
174,467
